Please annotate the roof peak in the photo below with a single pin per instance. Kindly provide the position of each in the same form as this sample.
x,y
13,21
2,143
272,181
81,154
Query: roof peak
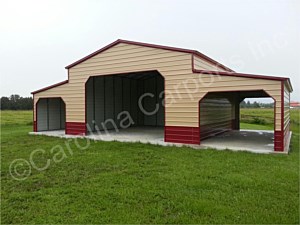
x,y
118,41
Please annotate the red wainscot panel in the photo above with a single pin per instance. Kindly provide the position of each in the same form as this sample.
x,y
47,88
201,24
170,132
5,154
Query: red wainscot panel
x,y
183,135
75,128
278,141
34,126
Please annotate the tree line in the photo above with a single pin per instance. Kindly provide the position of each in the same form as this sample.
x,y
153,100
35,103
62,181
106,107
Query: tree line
x,y
16,102
255,104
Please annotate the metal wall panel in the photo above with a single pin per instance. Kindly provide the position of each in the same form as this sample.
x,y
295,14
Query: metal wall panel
x,y
54,113
118,98
50,114
216,115
126,94
109,122
134,102
63,115
150,102
99,102
140,91
111,95
42,115
90,103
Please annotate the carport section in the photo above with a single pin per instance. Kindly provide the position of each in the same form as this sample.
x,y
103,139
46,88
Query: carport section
x,y
51,114
219,112
126,100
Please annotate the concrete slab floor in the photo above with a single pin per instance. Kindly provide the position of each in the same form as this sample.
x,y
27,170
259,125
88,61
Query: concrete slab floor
x,y
247,140
244,140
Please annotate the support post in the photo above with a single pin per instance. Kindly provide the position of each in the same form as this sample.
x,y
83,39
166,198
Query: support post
x,y
237,112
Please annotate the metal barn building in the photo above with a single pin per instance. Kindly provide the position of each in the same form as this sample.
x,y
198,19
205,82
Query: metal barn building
x,y
189,95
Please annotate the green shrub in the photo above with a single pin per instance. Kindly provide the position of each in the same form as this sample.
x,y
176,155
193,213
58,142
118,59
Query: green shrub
x,y
260,121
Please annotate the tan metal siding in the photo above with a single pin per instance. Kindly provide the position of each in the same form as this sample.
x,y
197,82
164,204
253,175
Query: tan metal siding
x,y
201,64
286,107
184,89
119,59
286,117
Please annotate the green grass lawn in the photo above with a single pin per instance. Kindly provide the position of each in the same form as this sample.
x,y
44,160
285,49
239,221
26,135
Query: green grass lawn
x,y
257,119
111,182
251,126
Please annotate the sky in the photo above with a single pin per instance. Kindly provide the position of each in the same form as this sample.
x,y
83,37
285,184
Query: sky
x,y
39,38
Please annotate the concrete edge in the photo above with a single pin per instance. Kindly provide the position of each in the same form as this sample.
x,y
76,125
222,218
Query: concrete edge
x,y
196,147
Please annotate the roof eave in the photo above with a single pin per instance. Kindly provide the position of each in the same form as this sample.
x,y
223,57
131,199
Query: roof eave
x,y
289,84
49,87
235,74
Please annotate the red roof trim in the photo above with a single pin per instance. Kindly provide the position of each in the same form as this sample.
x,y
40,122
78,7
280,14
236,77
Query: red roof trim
x,y
199,54
51,86
234,74
288,81
151,46
93,54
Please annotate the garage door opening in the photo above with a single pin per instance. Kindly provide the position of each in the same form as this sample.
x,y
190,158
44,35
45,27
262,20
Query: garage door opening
x,y
225,124
51,114
126,103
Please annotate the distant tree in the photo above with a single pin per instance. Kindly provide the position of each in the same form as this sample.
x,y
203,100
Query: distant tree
x,y
243,104
267,105
248,105
16,102
255,105
27,103
5,103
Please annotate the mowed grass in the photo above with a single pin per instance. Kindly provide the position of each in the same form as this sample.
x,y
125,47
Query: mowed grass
x,y
111,182
257,119
20,117
263,119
